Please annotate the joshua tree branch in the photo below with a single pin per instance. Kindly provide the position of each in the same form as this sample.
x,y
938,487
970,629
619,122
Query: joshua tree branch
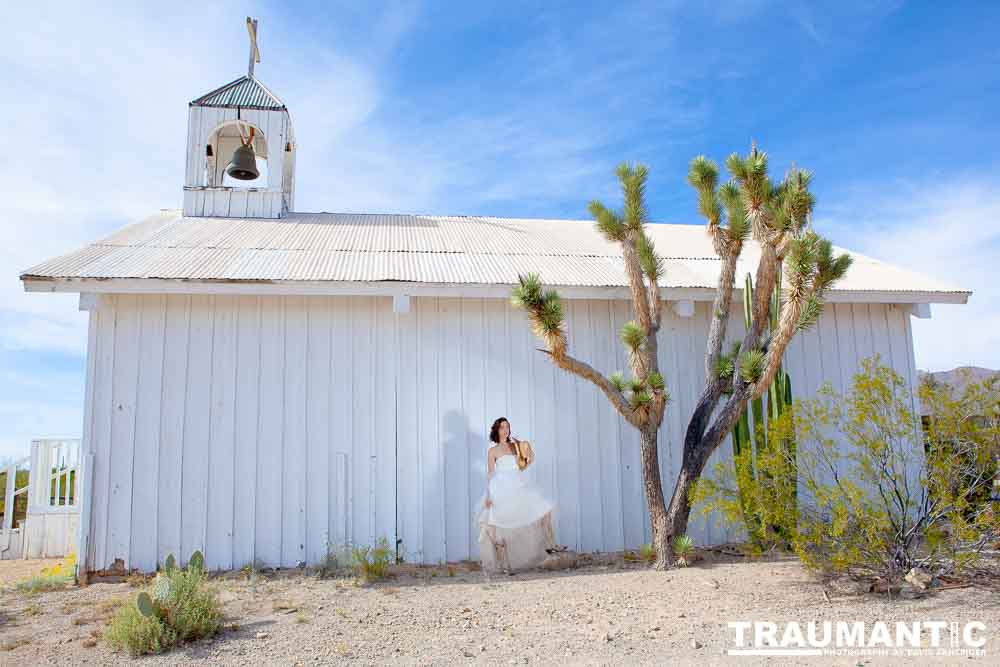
x,y
587,372
640,297
720,314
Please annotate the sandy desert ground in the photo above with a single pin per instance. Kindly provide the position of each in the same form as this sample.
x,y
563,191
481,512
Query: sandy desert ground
x,y
605,612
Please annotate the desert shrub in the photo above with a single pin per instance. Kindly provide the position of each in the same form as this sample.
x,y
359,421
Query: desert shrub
x,y
371,563
179,605
873,495
190,607
647,552
131,631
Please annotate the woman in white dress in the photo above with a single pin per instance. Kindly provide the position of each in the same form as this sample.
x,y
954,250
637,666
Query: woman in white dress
x,y
514,516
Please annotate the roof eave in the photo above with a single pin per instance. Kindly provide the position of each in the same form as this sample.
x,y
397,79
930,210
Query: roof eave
x,y
34,283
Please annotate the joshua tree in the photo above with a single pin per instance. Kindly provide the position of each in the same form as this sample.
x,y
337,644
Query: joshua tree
x,y
749,205
642,399
777,217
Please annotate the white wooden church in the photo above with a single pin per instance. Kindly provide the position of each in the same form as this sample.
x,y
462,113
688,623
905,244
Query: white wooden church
x,y
264,384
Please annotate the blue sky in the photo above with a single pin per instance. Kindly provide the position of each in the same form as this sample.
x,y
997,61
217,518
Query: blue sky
x,y
504,109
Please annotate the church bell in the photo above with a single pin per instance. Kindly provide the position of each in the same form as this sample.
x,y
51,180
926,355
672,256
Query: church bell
x,y
243,166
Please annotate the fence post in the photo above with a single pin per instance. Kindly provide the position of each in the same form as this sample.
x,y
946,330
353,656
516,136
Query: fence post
x,y
8,498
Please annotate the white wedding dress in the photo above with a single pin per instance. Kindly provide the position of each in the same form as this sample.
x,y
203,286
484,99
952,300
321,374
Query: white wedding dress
x,y
518,506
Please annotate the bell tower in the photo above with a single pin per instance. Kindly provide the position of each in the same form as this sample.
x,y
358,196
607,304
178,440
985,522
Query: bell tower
x,y
240,150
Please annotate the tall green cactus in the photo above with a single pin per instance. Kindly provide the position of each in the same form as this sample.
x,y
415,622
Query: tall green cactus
x,y
779,397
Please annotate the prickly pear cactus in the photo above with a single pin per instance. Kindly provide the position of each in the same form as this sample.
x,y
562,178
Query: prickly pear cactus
x,y
161,588
196,562
171,563
144,604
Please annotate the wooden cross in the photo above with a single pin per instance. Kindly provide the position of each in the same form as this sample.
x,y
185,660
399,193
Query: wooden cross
x,y
254,51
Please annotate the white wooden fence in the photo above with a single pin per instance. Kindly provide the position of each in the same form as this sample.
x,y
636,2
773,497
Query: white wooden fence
x,y
53,490
10,535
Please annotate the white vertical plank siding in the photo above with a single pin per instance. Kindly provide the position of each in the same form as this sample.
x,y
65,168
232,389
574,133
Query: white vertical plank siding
x,y
384,414
430,487
101,446
246,431
171,449
197,427
362,318
408,424
318,372
268,429
454,429
474,413
270,445
144,499
124,387
222,435
294,452
341,422
587,464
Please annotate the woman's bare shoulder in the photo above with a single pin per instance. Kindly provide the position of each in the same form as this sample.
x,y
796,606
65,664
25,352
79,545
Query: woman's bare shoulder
x,y
492,451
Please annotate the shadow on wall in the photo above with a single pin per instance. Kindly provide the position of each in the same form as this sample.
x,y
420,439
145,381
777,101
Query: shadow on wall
x,y
464,481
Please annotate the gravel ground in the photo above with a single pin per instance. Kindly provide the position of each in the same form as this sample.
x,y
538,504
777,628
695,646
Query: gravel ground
x,y
606,612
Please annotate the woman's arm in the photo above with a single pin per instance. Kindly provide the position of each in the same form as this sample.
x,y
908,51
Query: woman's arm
x,y
529,453
490,465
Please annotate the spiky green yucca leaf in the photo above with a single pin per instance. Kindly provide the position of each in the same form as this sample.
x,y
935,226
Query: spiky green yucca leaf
x,y
752,366
655,381
550,314
811,310
632,335
683,545
636,385
617,380
703,174
800,262
527,293
737,167
609,223
649,261
633,181
829,269
724,367
640,399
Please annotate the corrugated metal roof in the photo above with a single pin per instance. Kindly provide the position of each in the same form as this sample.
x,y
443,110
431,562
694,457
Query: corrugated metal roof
x,y
415,248
246,92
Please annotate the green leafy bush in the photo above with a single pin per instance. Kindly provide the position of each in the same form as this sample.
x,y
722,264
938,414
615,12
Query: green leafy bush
x,y
177,606
872,494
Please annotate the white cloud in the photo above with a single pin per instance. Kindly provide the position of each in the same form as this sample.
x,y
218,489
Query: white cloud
x,y
946,230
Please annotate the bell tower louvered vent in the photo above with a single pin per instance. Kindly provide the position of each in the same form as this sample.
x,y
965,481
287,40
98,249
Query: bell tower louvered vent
x,y
240,150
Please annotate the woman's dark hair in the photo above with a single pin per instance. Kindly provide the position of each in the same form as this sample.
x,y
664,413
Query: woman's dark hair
x,y
495,430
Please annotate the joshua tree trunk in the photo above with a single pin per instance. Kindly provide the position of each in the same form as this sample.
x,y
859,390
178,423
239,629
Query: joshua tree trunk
x,y
653,489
